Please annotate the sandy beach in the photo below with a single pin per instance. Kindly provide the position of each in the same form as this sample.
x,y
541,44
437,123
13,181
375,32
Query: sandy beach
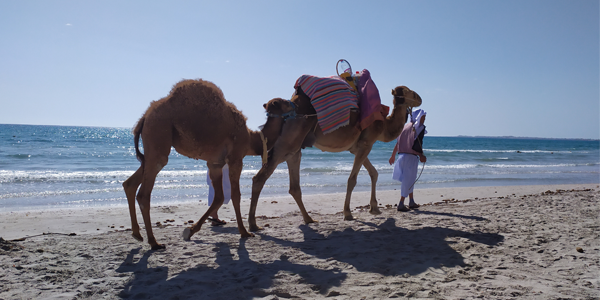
x,y
531,242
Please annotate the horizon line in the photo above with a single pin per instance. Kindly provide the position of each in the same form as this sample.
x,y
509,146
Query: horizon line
x,y
458,136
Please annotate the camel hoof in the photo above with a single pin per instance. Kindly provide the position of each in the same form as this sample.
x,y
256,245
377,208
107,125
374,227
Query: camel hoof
x,y
310,221
375,211
348,218
247,235
159,247
137,236
187,234
255,228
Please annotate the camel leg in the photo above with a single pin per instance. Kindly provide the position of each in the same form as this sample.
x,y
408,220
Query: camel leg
x,y
143,199
235,171
359,157
216,176
289,142
258,182
131,185
294,171
373,174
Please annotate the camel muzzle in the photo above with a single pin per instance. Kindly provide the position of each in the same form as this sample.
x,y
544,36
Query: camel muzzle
x,y
288,115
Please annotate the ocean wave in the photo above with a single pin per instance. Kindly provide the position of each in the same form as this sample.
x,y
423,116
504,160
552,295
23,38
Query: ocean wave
x,y
12,176
503,166
19,156
58,193
7,176
501,151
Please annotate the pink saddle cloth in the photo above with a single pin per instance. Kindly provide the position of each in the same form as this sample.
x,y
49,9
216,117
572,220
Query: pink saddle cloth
x,y
371,108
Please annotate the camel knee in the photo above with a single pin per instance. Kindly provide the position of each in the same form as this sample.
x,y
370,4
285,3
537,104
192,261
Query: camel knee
x,y
295,192
258,182
374,176
143,201
352,181
129,185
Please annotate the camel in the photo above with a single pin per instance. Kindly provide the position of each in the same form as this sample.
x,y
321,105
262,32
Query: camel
x,y
199,123
298,133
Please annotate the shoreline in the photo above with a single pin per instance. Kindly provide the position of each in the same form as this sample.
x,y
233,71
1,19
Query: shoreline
x,y
98,220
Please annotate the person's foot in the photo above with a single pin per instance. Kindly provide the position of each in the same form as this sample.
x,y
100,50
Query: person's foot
x,y
403,208
413,206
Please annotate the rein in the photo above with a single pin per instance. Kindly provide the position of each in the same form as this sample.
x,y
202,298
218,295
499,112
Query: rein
x,y
290,114
422,168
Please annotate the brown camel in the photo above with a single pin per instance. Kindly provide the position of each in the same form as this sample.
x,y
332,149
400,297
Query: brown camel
x,y
298,133
199,123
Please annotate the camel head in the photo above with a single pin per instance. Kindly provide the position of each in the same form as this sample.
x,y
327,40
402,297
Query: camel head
x,y
278,107
406,97
278,110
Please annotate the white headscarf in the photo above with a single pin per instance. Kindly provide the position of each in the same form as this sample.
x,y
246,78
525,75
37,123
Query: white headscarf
x,y
415,118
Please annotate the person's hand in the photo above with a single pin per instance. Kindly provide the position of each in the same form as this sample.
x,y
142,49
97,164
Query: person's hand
x,y
392,160
422,158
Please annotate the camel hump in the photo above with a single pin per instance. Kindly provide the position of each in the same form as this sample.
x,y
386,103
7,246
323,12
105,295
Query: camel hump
x,y
197,86
191,107
204,97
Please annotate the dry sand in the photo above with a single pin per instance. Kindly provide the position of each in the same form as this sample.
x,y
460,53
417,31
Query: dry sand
x,y
532,242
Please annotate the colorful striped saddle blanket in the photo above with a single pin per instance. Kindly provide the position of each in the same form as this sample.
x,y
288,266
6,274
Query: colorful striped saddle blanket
x,y
331,97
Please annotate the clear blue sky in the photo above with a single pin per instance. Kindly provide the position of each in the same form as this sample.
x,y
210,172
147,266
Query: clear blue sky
x,y
493,68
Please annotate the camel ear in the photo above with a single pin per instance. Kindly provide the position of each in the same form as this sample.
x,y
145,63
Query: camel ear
x,y
265,106
393,92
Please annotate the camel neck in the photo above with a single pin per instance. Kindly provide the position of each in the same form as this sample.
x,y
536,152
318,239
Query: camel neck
x,y
270,132
394,124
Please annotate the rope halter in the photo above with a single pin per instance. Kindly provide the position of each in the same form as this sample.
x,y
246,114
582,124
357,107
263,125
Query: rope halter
x,y
288,115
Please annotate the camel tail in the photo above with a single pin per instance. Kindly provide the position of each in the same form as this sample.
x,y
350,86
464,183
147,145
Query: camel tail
x,y
136,140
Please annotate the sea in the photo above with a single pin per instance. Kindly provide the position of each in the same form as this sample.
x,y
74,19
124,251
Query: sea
x,y
44,167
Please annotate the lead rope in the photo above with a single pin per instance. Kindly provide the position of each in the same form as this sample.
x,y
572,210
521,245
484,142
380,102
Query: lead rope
x,y
422,168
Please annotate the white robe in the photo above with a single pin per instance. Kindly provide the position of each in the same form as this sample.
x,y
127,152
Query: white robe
x,y
405,171
226,186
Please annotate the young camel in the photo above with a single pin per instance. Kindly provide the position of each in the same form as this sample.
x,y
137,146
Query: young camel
x,y
199,123
297,133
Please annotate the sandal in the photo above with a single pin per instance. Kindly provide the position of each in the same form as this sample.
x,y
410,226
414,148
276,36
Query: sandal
x,y
403,208
414,206
216,222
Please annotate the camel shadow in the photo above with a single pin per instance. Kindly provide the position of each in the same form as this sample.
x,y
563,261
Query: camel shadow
x,y
226,278
388,249
435,213
140,270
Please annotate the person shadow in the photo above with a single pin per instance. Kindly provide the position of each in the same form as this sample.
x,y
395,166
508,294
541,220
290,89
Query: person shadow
x,y
435,213
226,278
387,249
